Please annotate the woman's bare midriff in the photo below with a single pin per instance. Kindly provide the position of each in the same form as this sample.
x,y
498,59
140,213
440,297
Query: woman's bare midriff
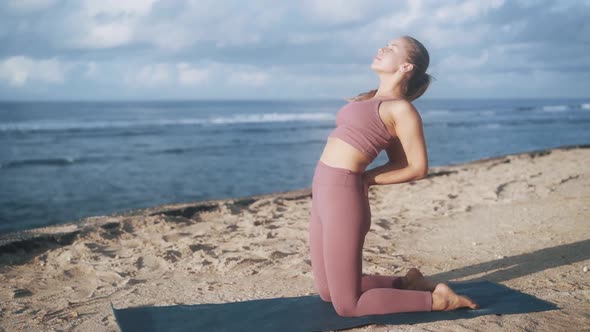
x,y
338,153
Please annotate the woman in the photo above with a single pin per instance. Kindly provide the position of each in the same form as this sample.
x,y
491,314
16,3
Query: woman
x,y
340,215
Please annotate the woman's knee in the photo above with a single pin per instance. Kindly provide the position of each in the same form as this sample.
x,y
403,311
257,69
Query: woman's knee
x,y
324,292
345,309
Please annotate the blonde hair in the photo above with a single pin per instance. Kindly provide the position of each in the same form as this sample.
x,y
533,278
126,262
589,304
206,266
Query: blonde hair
x,y
416,85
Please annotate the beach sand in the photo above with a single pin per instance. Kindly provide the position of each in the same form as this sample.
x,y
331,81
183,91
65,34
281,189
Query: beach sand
x,y
522,220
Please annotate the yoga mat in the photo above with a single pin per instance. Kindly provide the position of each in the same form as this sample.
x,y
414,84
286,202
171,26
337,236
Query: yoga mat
x,y
310,313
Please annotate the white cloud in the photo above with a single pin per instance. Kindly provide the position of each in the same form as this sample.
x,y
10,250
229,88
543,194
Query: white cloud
x,y
248,77
29,5
298,38
18,70
116,7
326,11
150,75
401,20
187,74
324,46
466,11
184,73
91,69
383,22
113,23
105,24
168,35
240,40
105,35
457,62
455,37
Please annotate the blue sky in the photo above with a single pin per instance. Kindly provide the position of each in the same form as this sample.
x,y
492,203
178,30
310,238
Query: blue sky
x,y
263,49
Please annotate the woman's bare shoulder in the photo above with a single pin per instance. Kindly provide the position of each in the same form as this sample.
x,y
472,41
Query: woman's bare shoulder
x,y
402,110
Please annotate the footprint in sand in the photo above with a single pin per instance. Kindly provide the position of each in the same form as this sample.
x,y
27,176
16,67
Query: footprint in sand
x,y
175,236
207,248
172,255
148,263
279,254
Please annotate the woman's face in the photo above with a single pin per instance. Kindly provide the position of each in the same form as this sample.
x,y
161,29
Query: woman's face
x,y
390,56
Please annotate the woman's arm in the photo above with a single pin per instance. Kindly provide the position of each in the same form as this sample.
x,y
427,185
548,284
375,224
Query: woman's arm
x,y
388,174
408,159
396,154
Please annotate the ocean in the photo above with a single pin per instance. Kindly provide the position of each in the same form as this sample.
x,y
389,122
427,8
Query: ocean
x,y
64,161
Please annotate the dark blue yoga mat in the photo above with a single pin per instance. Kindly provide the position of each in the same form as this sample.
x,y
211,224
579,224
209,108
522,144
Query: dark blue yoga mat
x,y
310,313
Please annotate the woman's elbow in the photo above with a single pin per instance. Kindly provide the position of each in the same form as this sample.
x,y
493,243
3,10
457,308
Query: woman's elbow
x,y
421,173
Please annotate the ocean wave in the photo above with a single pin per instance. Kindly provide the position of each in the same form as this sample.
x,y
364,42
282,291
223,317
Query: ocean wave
x,y
39,162
437,112
59,161
88,125
271,117
525,108
510,123
440,113
487,113
563,108
35,126
184,150
555,108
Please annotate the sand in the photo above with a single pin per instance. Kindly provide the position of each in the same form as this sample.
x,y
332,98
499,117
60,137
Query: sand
x,y
522,220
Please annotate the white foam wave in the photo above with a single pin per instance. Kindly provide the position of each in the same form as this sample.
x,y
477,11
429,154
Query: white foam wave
x,y
437,112
555,108
585,106
272,117
237,118
72,125
487,113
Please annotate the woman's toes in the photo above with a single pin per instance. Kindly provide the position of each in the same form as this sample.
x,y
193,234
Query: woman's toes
x,y
470,303
447,299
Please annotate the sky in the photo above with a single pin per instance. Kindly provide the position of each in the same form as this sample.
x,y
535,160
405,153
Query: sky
x,y
267,49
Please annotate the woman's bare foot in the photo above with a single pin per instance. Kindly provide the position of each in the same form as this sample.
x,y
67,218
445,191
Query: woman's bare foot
x,y
444,299
414,280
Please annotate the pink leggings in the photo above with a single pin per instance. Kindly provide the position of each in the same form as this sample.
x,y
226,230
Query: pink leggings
x,y
340,219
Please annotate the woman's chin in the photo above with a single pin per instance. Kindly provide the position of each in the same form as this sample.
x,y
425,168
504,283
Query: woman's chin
x,y
376,68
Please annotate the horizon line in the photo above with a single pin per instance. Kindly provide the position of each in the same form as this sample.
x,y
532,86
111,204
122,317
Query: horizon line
x,y
274,99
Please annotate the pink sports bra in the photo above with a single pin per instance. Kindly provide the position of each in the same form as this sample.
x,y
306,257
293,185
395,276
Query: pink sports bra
x,y
358,123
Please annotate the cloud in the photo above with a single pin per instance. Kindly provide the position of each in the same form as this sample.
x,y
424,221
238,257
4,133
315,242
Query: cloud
x,y
166,74
457,62
465,10
187,74
167,25
250,77
331,12
105,24
91,69
103,35
18,70
309,48
93,8
29,5
150,75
